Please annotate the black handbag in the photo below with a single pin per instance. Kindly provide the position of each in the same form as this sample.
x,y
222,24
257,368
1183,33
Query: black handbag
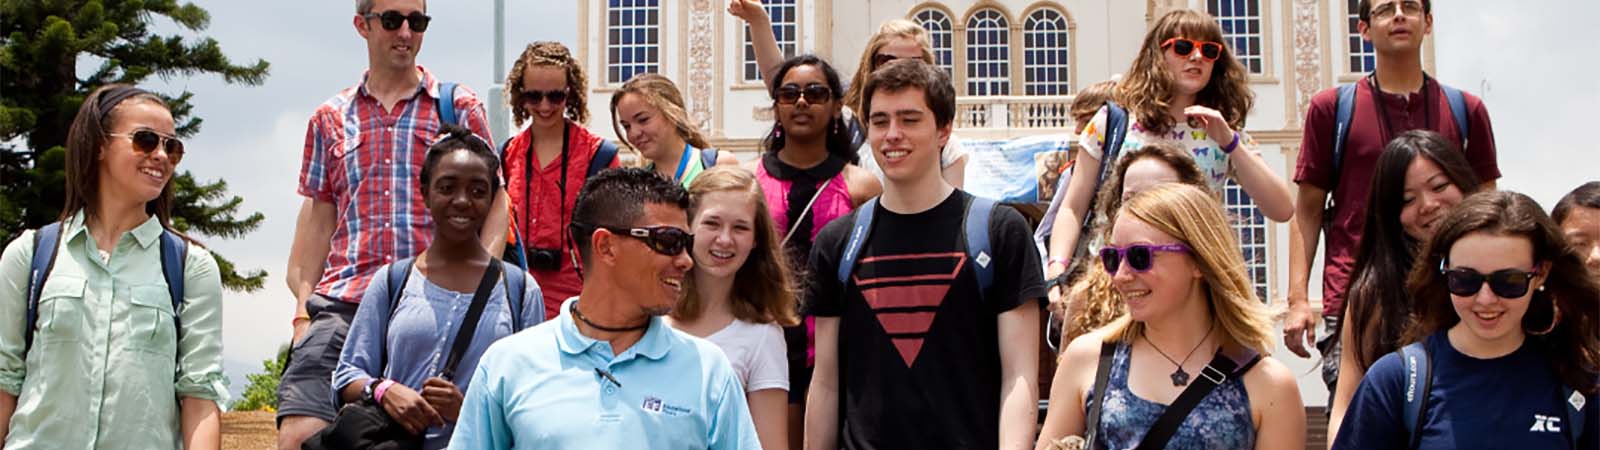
x,y
364,425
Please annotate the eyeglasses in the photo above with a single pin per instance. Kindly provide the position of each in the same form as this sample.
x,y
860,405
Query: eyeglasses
x,y
1407,8
1506,283
534,97
878,60
391,20
670,241
146,142
1209,51
788,94
1140,257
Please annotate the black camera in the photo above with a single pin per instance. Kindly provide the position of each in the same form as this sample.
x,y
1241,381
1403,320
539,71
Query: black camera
x,y
547,259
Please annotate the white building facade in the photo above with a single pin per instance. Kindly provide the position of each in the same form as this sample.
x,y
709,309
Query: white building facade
x,y
1015,64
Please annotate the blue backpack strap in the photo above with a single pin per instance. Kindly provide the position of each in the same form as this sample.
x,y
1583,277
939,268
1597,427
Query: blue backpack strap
x,y
708,158
1344,110
1419,380
1116,131
1458,110
174,254
447,103
516,280
1576,418
602,157
46,241
399,272
977,233
858,236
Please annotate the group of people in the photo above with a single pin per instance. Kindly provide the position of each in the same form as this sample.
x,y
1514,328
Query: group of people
x,y
839,291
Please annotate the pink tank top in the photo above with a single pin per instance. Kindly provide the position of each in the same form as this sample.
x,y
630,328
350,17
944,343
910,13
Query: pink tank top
x,y
833,201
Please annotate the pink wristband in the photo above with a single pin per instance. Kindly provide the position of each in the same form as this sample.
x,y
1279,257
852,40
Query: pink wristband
x,y
377,394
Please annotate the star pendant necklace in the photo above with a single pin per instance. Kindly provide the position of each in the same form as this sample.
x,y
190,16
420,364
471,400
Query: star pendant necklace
x,y
1180,377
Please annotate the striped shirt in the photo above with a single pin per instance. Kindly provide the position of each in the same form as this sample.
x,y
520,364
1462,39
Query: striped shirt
x,y
366,161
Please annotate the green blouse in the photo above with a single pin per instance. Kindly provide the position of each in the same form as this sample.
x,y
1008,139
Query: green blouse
x,y
107,368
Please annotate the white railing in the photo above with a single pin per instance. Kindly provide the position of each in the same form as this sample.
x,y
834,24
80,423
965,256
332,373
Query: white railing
x,y
1012,116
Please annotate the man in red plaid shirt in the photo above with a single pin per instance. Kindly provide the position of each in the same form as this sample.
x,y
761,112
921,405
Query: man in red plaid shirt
x,y
362,209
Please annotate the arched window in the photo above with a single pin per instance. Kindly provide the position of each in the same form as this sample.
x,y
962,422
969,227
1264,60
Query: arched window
x,y
633,39
785,27
1045,52
939,31
1251,229
1241,28
988,54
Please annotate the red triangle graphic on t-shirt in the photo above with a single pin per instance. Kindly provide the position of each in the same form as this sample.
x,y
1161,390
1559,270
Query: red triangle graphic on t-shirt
x,y
906,322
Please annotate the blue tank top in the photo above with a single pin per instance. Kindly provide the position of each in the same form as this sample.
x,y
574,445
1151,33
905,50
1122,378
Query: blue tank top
x,y
1220,422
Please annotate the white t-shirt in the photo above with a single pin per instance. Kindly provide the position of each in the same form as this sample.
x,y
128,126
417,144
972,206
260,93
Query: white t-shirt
x,y
758,354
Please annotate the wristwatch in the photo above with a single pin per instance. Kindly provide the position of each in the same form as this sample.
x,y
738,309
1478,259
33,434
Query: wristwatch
x,y
367,391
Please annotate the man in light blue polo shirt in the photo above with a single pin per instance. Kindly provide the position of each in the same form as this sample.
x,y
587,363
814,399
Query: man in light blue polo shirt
x,y
608,372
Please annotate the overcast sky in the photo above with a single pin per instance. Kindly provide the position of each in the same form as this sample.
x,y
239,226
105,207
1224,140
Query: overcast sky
x,y
1536,78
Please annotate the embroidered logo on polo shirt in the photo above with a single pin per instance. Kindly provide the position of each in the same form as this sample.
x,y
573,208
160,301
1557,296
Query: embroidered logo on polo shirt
x,y
656,405
905,292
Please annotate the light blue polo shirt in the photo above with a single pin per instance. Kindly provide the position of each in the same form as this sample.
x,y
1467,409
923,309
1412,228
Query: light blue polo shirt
x,y
539,389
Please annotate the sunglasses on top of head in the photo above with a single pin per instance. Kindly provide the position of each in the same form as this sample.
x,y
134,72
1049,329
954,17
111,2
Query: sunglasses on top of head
x,y
1209,51
789,94
146,141
880,59
1140,257
670,241
1505,283
391,20
534,97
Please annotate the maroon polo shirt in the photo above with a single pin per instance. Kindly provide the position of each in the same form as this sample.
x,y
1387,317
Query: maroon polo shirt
x,y
1426,109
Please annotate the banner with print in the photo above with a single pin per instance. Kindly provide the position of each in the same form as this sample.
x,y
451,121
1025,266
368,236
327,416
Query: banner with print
x,y
1020,170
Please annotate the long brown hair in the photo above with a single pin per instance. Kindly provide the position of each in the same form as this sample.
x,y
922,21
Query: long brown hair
x,y
1194,217
763,289
664,96
549,54
889,30
1147,89
87,139
1376,303
1566,303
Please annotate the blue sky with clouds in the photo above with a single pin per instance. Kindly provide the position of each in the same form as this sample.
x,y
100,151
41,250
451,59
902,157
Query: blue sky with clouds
x,y
1537,80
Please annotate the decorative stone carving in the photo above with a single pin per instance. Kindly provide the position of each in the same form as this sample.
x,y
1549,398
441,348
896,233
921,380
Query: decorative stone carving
x,y
1307,54
702,61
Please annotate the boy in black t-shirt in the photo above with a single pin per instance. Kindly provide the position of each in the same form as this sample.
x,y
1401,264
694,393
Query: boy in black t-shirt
x,y
911,353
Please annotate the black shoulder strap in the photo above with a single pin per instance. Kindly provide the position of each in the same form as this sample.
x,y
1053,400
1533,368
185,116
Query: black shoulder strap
x,y
469,325
1221,368
1102,376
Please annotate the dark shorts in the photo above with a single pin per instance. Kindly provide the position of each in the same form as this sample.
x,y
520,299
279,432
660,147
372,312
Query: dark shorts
x,y
306,386
1330,349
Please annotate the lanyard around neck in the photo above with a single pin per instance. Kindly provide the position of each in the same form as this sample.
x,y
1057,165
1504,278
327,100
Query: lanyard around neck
x,y
683,161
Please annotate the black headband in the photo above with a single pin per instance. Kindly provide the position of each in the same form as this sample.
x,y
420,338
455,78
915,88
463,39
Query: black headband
x,y
109,98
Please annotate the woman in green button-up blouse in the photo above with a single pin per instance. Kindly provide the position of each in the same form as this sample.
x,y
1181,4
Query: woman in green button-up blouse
x,y
108,366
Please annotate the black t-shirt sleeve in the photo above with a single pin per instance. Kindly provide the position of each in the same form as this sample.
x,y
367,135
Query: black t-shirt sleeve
x,y
1373,419
1017,273
824,292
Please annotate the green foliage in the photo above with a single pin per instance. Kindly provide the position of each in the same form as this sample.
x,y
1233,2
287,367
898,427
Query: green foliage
x,y
44,43
262,392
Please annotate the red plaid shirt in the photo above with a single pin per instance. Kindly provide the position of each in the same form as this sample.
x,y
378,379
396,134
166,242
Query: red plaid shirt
x,y
366,162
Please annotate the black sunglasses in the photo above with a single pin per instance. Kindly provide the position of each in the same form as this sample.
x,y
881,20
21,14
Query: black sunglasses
x,y
146,142
534,97
1140,257
670,241
789,94
1210,51
391,20
1506,283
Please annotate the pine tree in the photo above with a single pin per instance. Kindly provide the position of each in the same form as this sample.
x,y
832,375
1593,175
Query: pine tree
x,y
43,44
